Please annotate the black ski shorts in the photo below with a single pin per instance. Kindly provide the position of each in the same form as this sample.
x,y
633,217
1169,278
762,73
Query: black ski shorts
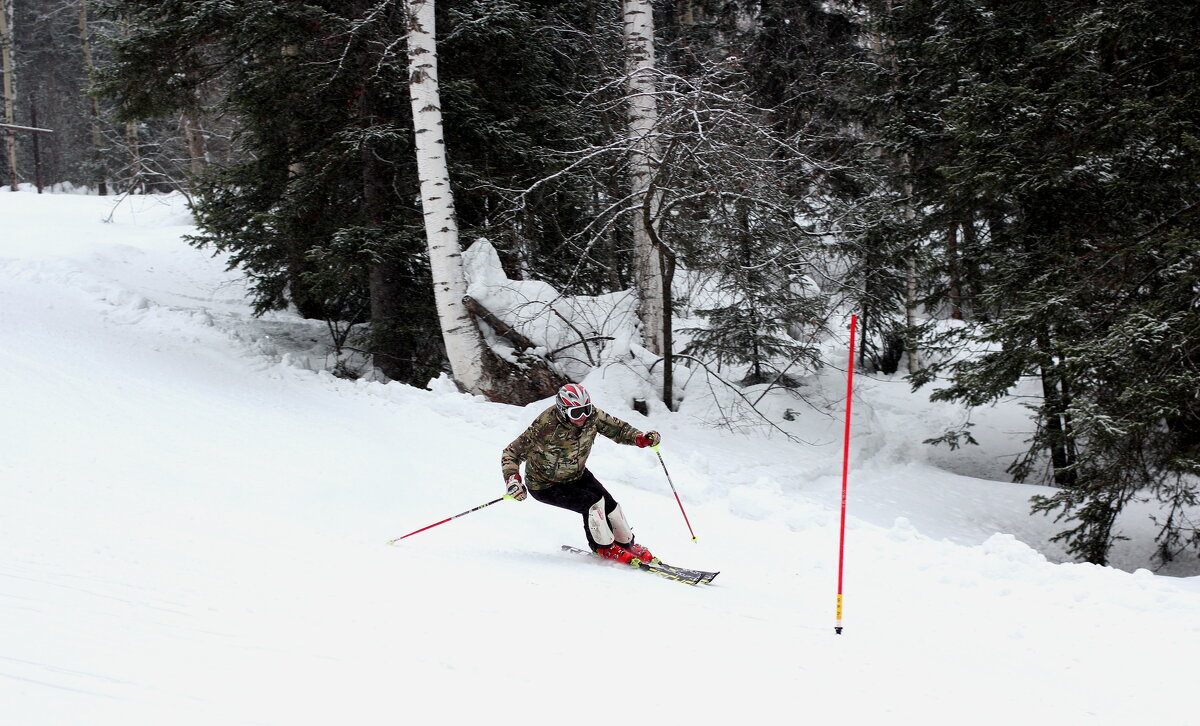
x,y
578,495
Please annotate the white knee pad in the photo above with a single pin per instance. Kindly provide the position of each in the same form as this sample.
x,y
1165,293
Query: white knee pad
x,y
598,525
620,528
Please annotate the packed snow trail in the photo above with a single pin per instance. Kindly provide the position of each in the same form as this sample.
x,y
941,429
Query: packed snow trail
x,y
195,524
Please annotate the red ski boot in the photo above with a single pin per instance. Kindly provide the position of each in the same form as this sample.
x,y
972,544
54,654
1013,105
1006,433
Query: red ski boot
x,y
616,552
641,553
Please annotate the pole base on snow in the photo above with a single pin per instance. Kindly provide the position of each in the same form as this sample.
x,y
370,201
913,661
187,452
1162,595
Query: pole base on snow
x,y
677,499
837,629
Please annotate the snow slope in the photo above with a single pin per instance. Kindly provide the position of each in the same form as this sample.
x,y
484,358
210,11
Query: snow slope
x,y
194,523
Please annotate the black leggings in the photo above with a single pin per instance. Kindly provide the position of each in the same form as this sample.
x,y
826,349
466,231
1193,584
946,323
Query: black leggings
x,y
578,496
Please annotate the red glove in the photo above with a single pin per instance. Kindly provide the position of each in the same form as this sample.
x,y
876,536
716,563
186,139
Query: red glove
x,y
516,489
650,438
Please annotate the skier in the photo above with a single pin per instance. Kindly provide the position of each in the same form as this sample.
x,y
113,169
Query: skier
x,y
555,449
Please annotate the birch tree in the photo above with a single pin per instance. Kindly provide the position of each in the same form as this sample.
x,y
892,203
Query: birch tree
x,y
644,158
473,365
464,347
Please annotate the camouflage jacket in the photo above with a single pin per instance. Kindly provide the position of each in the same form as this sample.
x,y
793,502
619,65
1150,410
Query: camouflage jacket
x,y
556,451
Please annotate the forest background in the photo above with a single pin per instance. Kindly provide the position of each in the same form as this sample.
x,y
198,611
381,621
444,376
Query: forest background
x,y
1003,192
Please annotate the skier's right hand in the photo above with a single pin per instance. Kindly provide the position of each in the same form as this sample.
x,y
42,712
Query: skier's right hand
x,y
516,489
650,438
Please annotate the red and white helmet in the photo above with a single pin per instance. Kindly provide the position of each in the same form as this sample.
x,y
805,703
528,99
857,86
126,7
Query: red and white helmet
x,y
573,402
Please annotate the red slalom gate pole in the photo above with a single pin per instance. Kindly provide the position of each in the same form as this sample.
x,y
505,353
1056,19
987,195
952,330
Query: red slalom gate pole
x,y
845,475
447,519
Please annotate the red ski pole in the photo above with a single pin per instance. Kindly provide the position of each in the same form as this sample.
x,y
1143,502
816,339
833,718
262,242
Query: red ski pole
x,y
447,519
677,499
845,473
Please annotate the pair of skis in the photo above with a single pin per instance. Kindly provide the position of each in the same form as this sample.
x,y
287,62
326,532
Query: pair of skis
x,y
660,568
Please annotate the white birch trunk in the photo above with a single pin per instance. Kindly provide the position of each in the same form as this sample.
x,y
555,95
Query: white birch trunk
x,y
464,346
10,100
642,116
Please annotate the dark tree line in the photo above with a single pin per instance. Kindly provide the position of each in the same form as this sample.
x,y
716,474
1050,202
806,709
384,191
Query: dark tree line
x,y
57,46
1017,178
1047,186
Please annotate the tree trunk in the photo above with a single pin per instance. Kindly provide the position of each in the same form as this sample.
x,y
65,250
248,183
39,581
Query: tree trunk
x,y
37,144
910,282
291,51
968,269
642,116
193,133
464,347
10,100
474,367
685,13
137,172
644,156
1055,403
85,40
667,262
956,304
393,354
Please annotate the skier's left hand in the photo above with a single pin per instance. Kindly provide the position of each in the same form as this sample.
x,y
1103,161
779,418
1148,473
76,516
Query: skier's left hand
x,y
650,438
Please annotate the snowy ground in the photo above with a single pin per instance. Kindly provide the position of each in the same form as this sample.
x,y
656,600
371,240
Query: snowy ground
x,y
194,525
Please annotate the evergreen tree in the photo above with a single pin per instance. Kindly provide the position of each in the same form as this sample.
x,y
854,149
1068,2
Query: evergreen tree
x,y
1074,130
321,211
893,215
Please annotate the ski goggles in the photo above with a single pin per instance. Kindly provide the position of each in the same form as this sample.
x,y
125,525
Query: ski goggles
x,y
584,411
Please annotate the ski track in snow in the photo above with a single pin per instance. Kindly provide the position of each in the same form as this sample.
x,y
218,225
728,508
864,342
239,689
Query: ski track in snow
x,y
195,518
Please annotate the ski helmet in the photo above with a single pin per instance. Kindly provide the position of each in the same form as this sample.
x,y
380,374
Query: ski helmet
x,y
573,402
